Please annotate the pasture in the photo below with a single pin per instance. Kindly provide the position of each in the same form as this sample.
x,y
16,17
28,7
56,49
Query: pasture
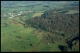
x,y
15,38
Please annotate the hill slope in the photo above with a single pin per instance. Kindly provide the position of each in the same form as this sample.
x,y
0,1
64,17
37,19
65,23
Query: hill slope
x,y
64,25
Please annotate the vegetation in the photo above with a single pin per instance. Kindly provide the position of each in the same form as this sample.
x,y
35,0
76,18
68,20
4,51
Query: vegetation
x,y
51,22
38,26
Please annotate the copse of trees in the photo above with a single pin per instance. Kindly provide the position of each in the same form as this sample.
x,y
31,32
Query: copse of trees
x,y
46,6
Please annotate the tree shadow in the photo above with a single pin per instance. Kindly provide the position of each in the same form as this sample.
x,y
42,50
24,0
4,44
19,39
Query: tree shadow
x,y
63,48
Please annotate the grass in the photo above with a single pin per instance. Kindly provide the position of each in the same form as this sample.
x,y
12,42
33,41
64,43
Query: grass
x,y
8,37
12,39
11,43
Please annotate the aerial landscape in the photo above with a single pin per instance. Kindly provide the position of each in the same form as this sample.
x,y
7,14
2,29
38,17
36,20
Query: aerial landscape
x,y
39,26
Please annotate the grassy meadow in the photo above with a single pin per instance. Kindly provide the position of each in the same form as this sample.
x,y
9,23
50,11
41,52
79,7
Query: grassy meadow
x,y
16,38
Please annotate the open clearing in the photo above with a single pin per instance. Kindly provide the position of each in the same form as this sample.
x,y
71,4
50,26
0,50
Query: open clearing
x,y
72,12
37,14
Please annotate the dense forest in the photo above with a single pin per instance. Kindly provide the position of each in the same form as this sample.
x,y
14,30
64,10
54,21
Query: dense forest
x,y
61,24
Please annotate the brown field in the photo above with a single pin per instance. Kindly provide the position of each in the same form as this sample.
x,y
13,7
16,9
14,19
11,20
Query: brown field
x,y
15,22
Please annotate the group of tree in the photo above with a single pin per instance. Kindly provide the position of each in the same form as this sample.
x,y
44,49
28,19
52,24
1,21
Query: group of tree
x,y
50,21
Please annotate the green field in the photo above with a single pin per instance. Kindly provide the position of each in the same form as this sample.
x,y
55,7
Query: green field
x,y
11,43
20,40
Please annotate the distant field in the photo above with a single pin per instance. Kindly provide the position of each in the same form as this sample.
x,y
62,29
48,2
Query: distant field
x,y
68,11
37,14
72,12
